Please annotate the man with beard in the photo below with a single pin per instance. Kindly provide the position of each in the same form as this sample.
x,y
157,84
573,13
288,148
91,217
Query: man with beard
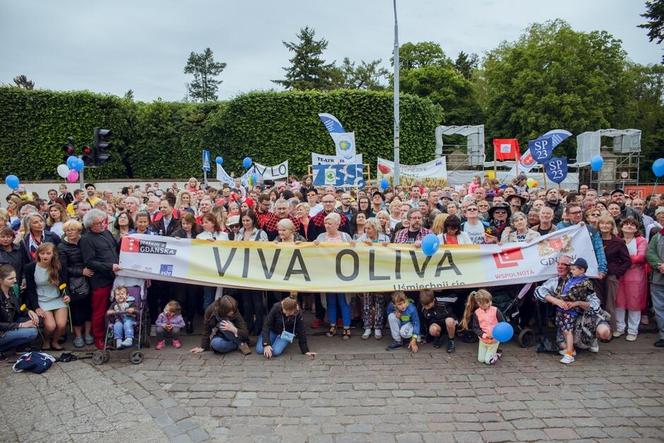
x,y
415,231
553,202
618,196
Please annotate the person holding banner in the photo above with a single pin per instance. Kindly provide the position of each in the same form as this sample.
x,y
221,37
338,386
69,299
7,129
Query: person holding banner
x,y
332,234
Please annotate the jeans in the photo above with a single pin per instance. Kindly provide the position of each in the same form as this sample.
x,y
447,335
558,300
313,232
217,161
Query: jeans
x,y
208,296
17,337
223,346
332,300
278,345
126,325
399,330
657,293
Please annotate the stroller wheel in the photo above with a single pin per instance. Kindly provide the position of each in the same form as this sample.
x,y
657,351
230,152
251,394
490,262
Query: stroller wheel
x,y
526,338
99,358
136,357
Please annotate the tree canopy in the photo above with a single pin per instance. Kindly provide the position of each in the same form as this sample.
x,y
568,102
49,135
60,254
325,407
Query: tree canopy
x,y
204,86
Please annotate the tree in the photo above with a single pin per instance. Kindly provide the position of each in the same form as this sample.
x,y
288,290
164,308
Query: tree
x,y
555,77
129,95
204,86
465,64
21,81
421,54
308,69
655,26
364,76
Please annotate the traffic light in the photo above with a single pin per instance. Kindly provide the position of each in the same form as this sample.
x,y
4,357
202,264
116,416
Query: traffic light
x,y
101,146
68,150
88,156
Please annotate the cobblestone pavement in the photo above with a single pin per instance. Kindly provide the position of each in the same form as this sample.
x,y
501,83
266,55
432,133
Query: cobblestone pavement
x,y
352,391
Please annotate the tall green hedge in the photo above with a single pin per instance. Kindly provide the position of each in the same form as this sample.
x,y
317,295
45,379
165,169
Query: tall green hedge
x,y
164,139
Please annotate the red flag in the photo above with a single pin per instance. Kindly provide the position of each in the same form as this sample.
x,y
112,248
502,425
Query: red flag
x,y
506,149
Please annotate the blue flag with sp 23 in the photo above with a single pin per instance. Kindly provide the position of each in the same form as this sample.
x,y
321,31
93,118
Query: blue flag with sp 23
x,y
556,169
541,148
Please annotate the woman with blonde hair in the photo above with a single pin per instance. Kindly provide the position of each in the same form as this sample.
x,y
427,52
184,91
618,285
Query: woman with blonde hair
x,y
302,215
618,260
438,223
373,302
184,202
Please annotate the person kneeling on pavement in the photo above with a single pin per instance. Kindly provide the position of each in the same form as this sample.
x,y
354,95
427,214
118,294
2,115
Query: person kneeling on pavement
x,y
225,328
282,325
437,317
404,322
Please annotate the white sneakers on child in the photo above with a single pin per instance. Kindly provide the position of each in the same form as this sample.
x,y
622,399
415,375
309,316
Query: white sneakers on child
x,y
128,342
118,343
567,359
378,334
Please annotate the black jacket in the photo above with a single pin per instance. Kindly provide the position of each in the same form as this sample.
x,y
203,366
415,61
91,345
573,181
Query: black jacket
x,y
212,320
9,312
275,322
158,227
15,258
71,259
31,286
100,253
49,237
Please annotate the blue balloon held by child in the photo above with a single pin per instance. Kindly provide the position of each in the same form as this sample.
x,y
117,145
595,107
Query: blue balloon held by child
x,y
503,332
246,163
430,244
12,181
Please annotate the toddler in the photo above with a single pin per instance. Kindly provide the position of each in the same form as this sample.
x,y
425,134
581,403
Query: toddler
x,y
481,317
576,289
169,324
123,310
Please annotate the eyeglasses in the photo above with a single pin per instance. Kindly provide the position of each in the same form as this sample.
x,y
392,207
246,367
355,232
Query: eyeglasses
x,y
575,213
500,212
471,209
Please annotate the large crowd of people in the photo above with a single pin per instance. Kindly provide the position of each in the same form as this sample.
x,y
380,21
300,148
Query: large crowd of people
x,y
59,256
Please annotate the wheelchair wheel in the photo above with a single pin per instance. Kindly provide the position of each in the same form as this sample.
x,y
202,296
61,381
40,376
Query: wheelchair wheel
x,y
526,338
136,357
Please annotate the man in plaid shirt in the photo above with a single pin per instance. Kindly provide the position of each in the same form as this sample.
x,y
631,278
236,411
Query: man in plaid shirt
x,y
317,222
280,212
415,232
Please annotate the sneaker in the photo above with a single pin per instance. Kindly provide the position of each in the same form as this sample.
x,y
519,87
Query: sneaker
x,y
397,344
495,357
244,348
594,345
118,343
367,334
89,339
631,337
316,324
451,346
617,334
564,351
128,342
378,334
567,359
176,343
659,343
419,339
79,342
160,345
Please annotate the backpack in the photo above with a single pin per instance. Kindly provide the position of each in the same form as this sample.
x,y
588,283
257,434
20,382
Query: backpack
x,y
36,362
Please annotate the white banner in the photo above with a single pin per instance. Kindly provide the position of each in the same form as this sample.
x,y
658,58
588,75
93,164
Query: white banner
x,y
345,144
223,176
277,172
433,173
321,159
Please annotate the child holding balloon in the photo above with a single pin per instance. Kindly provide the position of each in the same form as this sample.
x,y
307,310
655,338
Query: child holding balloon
x,y
481,317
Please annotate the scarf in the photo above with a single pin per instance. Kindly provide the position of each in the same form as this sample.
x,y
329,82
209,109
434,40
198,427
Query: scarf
x,y
573,281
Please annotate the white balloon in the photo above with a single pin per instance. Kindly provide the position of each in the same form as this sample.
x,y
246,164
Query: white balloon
x,y
63,170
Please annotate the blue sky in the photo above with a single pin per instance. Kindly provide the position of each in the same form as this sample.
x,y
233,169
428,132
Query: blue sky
x,y
113,46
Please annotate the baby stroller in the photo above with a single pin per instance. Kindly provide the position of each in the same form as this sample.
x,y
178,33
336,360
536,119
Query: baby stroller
x,y
509,305
141,331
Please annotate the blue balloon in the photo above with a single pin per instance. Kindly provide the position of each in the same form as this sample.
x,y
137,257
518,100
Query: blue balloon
x,y
384,184
219,160
71,161
257,177
80,164
430,244
658,167
246,163
12,181
503,332
596,163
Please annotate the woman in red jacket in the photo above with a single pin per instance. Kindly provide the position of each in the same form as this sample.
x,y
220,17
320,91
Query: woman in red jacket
x,y
633,285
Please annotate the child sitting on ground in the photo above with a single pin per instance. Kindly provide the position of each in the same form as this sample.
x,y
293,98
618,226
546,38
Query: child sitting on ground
x,y
169,323
123,310
481,317
437,317
576,289
404,322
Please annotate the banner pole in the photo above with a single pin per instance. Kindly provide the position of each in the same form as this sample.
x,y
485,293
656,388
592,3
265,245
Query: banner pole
x,y
546,187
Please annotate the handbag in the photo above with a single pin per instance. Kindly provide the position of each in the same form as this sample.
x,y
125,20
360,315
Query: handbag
x,y
79,288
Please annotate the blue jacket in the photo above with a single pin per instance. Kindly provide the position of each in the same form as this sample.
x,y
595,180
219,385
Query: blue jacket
x,y
409,315
598,245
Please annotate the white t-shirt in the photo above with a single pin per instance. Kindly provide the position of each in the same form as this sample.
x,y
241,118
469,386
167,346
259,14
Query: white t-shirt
x,y
475,232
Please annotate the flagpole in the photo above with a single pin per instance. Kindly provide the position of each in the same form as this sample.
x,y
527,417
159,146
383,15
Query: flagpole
x,y
396,97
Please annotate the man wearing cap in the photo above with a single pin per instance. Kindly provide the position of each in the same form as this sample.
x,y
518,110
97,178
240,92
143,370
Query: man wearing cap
x,y
618,196
655,257
499,215
553,202
516,202
377,203
91,191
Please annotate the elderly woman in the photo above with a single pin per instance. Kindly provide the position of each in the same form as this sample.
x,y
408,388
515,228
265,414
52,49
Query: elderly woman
x,y
518,230
302,215
76,275
35,235
373,301
452,233
332,234
286,232
619,261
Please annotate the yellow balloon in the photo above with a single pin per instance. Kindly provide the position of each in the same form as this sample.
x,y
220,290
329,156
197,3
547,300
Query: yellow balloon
x,y
490,175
